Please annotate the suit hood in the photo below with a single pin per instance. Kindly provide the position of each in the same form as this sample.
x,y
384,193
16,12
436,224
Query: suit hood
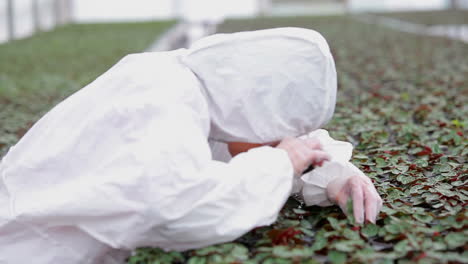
x,y
262,86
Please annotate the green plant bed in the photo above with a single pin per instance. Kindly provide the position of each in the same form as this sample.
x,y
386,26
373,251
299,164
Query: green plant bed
x,y
402,102
38,72
430,18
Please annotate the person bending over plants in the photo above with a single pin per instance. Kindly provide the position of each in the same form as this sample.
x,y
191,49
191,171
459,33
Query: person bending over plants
x,y
180,150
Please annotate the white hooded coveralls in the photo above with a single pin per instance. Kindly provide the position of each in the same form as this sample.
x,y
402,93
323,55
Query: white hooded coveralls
x,y
125,162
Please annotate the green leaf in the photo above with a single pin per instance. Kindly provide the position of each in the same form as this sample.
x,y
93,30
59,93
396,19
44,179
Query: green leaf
x,y
448,256
306,224
402,246
239,252
370,230
417,189
426,218
337,257
381,163
334,223
393,228
348,245
421,163
350,234
320,241
455,240
366,253
361,156
197,260
281,251
405,179
457,123
299,211
287,252
405,96
388,210
349,212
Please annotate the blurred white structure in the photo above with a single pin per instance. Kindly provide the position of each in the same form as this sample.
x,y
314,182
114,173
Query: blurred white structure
x,y
397,5
125,10
201,15
24,23
88,11
121,10
327,7
92,11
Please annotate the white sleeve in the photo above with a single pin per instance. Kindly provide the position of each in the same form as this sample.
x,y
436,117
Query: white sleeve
x,y
245,193
312,186
136,171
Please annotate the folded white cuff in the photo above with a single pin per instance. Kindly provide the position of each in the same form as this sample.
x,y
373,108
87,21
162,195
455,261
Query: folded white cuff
x,y
312,186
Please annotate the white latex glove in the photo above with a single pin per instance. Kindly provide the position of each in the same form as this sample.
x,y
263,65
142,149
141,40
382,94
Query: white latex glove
x,y
303,153
338,180
358,187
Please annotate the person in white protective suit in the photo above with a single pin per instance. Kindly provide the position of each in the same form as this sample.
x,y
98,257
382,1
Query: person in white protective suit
x,y
140,157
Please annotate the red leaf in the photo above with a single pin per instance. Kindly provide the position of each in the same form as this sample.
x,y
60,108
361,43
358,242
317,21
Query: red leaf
x,y
366,168
391,152
378,95
426,151
441,124
284,236
460,133
421,256
383,157
423,107
435,157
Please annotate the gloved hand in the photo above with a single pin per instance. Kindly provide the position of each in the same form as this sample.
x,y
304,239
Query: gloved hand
x,y
303,153
358,187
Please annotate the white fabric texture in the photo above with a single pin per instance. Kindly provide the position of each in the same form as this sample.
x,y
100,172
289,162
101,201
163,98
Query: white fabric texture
x,y
219,151
125,162
283,76
313,185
